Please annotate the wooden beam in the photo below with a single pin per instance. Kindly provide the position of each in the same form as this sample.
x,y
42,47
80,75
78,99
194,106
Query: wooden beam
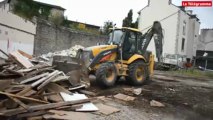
x,y
48,80
31,114
15,72
19,102
43,79
16,111
34,78
88,93
25,54
22,97
20,58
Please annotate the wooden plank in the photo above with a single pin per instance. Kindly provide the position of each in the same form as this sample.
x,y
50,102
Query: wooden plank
x,y
23,61
72,108
48,80
31,114
14,89
8,75
25,70
34,78
53,87
44,78
88,93
35,118
14,72
35,72
22,97
5,84
66,115
78,87
26,90
16,111
60,78
25,54
19,102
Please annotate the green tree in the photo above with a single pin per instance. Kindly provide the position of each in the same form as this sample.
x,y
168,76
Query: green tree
x,y
135,24
108,24
127,21
28,9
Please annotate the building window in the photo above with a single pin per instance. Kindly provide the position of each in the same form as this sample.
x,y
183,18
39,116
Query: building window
x,y
184,28
6,32
183,44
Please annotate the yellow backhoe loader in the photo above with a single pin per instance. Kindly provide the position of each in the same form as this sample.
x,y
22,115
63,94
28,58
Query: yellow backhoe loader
x,y
124,55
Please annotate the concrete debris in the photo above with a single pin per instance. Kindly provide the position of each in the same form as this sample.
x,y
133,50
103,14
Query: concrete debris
x,y
107,110
76,96
124,97
155,103
69,52
171,89
137,91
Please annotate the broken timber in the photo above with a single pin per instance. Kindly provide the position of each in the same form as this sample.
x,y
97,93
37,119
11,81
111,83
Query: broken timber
x,y
12,112
22,97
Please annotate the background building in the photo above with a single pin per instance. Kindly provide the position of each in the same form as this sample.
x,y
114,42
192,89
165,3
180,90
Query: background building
x,y
181,27
15,32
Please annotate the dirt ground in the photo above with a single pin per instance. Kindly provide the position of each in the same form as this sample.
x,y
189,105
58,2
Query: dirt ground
x,y
184,99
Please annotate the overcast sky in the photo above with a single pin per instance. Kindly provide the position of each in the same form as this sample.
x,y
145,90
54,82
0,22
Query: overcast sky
x,y
97,11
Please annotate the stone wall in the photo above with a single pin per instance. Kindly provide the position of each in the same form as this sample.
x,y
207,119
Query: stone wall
x,y
50,38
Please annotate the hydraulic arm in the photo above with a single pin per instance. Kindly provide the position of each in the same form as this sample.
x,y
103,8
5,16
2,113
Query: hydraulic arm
x,y
154,32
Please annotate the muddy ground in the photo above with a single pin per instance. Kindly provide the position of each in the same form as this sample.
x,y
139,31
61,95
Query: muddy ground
x,y
184,99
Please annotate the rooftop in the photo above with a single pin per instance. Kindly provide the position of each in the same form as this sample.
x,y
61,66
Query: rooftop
x,y
41,3
128,28
50,5
90,25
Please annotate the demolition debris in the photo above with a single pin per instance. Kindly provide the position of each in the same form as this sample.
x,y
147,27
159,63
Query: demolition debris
x,y
30,88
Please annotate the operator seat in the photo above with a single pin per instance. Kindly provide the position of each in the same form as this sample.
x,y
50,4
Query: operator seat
x,y
129,47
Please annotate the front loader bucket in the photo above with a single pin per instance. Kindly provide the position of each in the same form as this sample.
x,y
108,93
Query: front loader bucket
x,y
66,63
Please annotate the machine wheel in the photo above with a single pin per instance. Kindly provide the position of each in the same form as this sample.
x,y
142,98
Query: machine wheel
x,y
138,73
106,74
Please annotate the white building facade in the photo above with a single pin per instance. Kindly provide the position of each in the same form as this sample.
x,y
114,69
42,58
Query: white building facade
x,y
15,32
180,27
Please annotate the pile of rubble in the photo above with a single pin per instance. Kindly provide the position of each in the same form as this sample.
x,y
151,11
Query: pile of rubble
x,y
69,52
32,88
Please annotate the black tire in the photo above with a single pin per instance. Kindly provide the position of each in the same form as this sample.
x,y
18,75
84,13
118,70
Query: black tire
x,y
138,73
106,75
